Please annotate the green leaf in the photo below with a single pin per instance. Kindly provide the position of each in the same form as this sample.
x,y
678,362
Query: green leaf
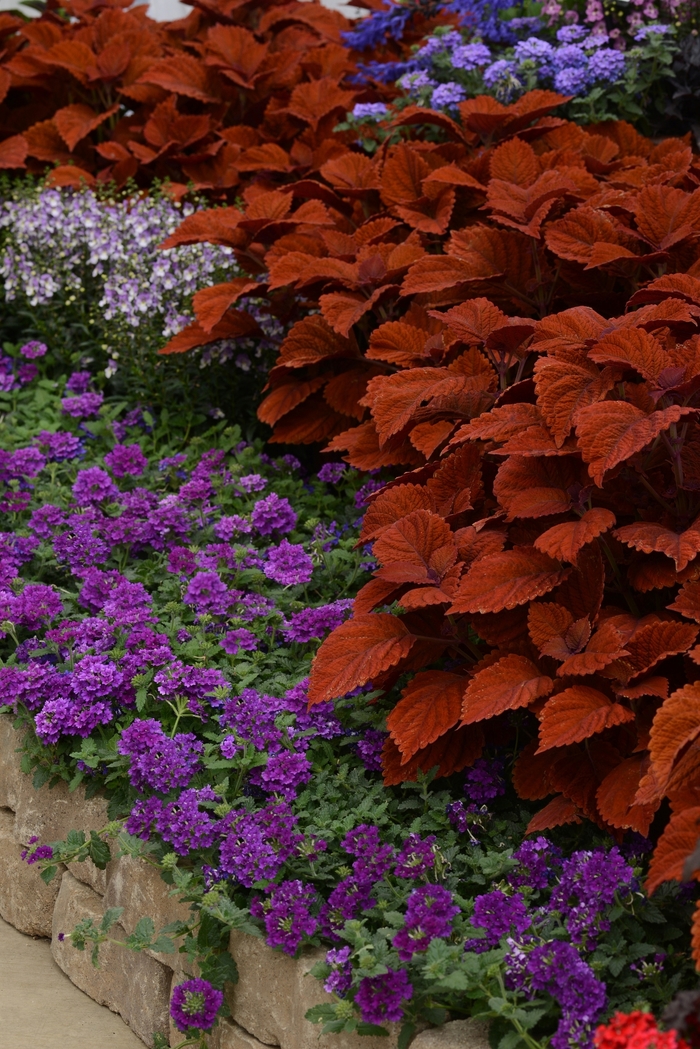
x,y
220,969
372,1029
99,851
48,874
320,1013
111,917
455,981
406,1035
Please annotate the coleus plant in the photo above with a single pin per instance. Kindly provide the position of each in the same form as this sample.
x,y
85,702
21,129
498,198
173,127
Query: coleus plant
x,y
511,306
234,88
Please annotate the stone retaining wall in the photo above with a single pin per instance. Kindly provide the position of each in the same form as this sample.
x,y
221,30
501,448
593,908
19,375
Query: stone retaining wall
x,y
273,993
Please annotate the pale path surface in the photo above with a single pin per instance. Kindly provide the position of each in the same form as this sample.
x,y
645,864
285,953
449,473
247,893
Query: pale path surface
x,y
41,1009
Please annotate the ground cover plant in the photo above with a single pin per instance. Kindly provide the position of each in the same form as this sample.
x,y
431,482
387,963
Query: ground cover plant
x,y
160,609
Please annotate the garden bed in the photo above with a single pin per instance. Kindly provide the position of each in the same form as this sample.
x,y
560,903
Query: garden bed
x,y
273,993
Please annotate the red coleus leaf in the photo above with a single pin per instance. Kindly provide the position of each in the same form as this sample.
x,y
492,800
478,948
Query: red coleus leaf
x,y
650,538
576,714
675,845
76,121
420,548
512,682
233,325
564,541
506,580
356,652
210,304
430,705
611,431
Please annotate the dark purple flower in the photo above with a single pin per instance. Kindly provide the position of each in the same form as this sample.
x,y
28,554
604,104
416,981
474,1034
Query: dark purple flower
x,y
370,749
499,915
416,856
126,460
92,486
273,514
157,761
287,914
58,446
339,980
257,844
228,527
252,483
36,605
315,622
79,382
380,997
587,886
208,593
42,852
484,780
536,863
83,406
26,462
195,1003
184,825
557,969
288,564
241,640
429,914
32,350
285,773
330,473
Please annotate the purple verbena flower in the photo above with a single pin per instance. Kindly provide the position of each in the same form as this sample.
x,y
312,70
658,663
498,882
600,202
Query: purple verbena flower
x,y
429,914
416,856
273,514
195,1003
287,914
288,564
379,997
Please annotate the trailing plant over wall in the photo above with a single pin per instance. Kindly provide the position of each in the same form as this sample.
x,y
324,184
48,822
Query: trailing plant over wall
x,y
513,312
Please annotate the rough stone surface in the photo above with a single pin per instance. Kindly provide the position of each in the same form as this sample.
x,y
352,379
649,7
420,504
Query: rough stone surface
x,y
138,887
11,774
457,1034
25,900
49,814
87,873
131,984
273,994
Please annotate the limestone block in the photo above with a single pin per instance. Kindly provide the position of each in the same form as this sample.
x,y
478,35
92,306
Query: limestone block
x,y
457,1034
87,873
25,900
49,814
262,1002
273,994
127,982
10,772
138,887
228,1035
